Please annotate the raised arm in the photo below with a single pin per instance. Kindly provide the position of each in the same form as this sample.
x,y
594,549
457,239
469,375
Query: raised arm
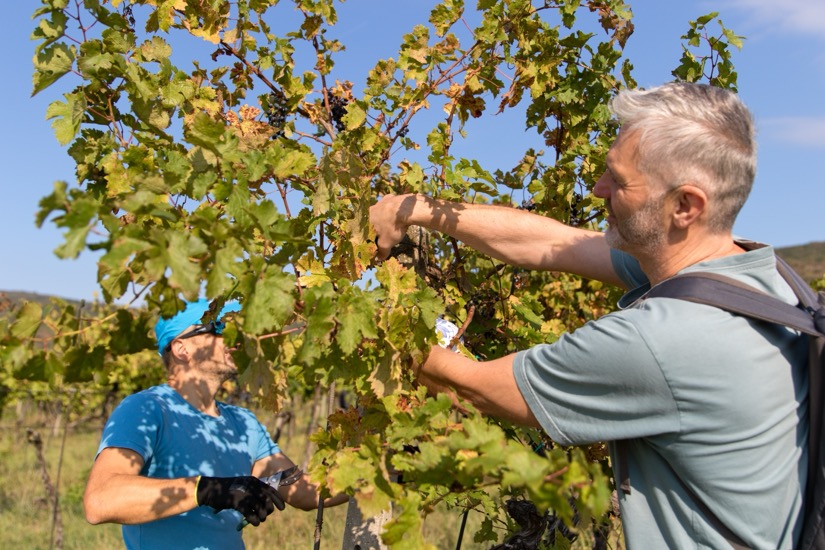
x,y
514,236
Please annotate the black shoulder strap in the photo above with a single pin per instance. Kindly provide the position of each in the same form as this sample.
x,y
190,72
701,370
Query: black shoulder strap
x,y
737,297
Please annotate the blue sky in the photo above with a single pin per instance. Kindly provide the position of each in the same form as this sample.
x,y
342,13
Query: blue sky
x,y
781,78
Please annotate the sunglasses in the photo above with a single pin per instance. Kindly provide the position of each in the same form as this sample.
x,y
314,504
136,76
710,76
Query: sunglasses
x,y
212,327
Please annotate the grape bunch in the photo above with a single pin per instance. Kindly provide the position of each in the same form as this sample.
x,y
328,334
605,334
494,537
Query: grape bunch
x,y
338,106
575,211
276,114
129,16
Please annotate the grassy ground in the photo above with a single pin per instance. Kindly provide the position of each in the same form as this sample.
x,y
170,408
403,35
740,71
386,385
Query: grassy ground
x,y
26,517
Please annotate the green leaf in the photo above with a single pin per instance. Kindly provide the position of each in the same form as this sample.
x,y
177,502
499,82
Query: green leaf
x,y
155,50
82,362
355,319
35,369
94,62
404,531
320,306
67,117
51,29
445,14
206,131
50,64
153,113
355,116
50,203
176,252
27,320
117,41
113,272
272,303
734,39
226,263
74,241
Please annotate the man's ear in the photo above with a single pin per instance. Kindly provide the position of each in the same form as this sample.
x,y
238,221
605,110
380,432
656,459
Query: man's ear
x,y
179,351
690,203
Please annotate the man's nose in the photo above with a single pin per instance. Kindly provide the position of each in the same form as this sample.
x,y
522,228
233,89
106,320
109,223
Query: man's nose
x,y
602,189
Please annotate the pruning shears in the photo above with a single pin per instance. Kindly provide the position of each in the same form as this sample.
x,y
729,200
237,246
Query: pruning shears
x,y
278,479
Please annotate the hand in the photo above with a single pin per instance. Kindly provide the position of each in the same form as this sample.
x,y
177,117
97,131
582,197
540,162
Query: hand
x,y
388,217
250,496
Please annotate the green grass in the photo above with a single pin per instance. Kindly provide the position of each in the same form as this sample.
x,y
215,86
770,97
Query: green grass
x,y
26,517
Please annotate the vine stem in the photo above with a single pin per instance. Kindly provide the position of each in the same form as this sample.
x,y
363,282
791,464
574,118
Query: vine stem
x,y
290,330
470,313
57,521
319,518
74,332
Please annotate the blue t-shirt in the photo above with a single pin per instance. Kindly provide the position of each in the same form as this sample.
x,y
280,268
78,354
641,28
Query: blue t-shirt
x,y
176,440
700,398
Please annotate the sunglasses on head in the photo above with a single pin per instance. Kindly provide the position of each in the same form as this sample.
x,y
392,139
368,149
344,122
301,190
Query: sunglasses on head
x,y
212,327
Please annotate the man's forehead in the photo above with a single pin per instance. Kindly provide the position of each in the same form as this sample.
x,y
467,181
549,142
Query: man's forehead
x,y
625,144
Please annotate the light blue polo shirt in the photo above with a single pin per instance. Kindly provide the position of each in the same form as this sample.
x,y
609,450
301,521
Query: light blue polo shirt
x,y
714,398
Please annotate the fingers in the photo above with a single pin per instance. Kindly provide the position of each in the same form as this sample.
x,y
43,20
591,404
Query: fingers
x,y
388,231
275,499
382,252
259,502
253,518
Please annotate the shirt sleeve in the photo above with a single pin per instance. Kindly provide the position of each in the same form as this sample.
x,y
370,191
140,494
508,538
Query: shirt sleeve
x,y
628,269
599,383
134,424
261,443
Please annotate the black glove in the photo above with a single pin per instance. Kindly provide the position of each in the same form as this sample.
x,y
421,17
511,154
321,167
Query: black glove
x,y
248,495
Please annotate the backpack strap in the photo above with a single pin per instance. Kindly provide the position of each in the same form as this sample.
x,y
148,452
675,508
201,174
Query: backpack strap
x,y
731,295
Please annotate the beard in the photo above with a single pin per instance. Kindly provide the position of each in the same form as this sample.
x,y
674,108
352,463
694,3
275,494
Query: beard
x,y
217,364
641,230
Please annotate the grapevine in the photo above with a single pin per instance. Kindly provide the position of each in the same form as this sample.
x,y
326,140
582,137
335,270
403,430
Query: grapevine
x,y
186,189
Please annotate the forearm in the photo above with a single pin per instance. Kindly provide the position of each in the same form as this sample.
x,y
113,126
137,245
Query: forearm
x,y
304,495
514,236
489,386
132,499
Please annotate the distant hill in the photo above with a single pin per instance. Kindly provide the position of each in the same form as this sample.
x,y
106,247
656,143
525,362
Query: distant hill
x,y
15,297
807,259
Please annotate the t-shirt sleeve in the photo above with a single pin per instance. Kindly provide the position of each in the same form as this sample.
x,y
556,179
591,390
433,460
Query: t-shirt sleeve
x,y
628,269
599,383
261,443
134,424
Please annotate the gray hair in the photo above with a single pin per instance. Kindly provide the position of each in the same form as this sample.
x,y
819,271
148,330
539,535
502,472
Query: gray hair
x,y
698,134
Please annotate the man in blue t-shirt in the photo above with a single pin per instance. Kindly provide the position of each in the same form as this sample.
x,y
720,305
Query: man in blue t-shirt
x,y
181,470
710,407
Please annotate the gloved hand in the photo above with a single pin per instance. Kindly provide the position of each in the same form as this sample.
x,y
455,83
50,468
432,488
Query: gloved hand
x,y
250,496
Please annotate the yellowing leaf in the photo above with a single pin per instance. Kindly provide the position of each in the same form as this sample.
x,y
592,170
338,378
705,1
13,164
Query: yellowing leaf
x,y
67,117
50,64
155,50
314,279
